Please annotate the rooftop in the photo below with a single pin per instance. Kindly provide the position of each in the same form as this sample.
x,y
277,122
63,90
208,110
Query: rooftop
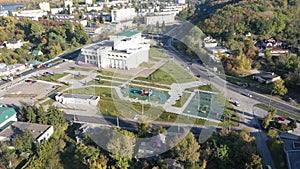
x,y
128,33
267,75
17,128
105,43
79,96
5,113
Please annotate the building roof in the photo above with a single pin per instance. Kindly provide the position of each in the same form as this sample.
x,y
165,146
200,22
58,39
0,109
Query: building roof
x,y
17,128
5,113
79,96
34,62
36,52
128,33
267,75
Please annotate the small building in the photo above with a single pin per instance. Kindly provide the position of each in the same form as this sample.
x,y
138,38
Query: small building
x,y
7,115
173,164
40,132
34,63
37,52
156,144
124,14
66,98
266,77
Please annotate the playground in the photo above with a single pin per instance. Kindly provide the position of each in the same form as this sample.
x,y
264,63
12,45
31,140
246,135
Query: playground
x,y
145,93
203,105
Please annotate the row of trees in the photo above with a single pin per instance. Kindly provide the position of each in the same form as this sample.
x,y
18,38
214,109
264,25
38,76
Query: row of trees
x,y
33,114
263,19
49,36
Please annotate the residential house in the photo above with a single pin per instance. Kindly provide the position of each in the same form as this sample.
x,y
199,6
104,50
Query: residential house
x,y
266,77
7,115
40,132
37,52
156,144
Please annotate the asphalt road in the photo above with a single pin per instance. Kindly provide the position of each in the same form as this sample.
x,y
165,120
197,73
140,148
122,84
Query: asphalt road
x,y
198,69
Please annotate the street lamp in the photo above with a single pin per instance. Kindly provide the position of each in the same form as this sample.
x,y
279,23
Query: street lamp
x,y
270,98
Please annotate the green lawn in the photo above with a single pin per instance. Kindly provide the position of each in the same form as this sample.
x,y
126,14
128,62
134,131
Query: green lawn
x,y
279,112
80,68
168,74
78,76
51,77
242,80
230,117
277,153
146,65
156,52
114,74
180,102
103,82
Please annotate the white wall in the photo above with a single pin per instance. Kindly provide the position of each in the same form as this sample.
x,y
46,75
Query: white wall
x,y
46,135
11,119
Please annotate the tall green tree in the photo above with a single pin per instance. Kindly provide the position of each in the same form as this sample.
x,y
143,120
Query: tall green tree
x,y
188,149
24,142
279,87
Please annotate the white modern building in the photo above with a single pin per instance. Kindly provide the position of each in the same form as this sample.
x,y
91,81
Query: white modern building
x,y
125,50
68,3
124,14
153,20
66,98
180,1
90,2
33,14
45,6
40,132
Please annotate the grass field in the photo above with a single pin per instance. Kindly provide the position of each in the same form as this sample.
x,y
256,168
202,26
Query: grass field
x,y
155,52
180,102
279,112
277,153
80,68
146,65
168,74
114,74
230,117
51,77
78,77
242,80
103,82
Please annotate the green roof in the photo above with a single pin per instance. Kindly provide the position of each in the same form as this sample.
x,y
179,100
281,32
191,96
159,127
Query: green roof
x,y
34,62
5,113
128,33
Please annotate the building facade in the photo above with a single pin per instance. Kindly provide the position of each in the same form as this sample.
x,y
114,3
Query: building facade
x,y
153,20
125,50
119,15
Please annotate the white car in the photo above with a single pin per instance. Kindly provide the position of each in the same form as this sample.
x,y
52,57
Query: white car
x,y
248,95
237,104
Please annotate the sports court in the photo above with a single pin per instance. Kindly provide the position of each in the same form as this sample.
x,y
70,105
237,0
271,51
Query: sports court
x,y
204,105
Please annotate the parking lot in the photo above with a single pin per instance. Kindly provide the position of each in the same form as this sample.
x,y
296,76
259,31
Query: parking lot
x,y
26,92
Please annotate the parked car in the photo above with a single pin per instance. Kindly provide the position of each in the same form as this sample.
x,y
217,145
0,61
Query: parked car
x,y
280,118
248,95
236,103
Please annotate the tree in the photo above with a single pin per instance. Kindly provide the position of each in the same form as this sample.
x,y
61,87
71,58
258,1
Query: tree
x,y
188,149
293,124
24,142
6,158
144,129
266,121
279,88
121,143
